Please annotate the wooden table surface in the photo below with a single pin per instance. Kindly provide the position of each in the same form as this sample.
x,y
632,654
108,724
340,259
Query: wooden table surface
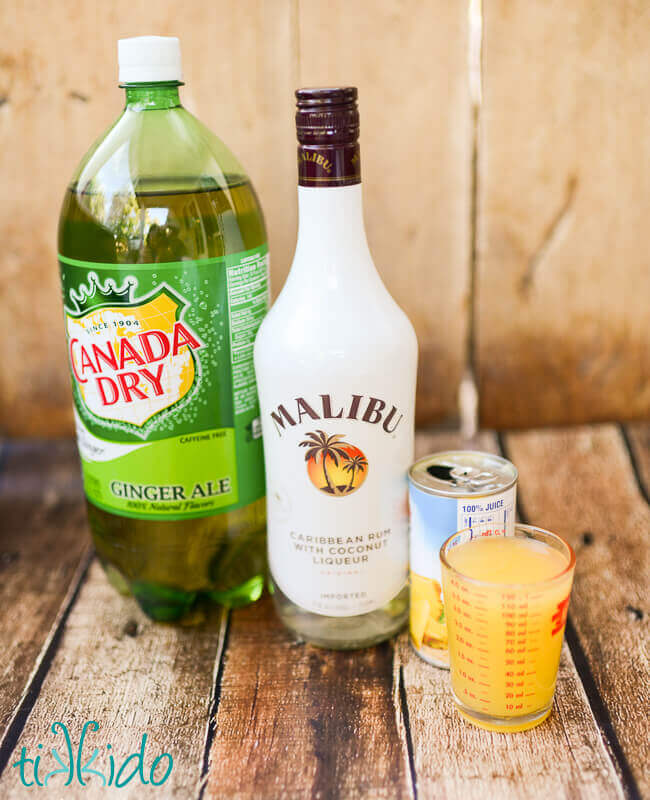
x,y
248,713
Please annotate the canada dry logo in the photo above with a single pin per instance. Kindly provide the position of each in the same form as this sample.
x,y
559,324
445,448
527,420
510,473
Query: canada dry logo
x,y
334,466
132,358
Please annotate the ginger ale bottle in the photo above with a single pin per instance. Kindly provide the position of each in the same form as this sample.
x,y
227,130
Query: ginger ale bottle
x,y
164,271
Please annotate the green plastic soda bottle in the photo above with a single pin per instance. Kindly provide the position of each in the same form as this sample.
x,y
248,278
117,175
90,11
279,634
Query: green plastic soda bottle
x,y
164,271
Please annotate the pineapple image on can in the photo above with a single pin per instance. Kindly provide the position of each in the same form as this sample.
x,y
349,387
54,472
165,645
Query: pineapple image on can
x,y
427,621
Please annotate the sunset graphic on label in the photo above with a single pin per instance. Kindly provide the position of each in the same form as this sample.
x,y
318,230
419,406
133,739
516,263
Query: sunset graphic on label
x,y
334,466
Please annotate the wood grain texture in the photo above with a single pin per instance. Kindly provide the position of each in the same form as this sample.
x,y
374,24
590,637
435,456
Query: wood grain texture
x,y
434,441
43,539
409,61
562,285
133,677
638,436
564,757
579,483
58,92
295,721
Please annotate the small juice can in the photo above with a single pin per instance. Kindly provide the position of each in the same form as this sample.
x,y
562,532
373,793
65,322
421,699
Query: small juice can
x,y
450,491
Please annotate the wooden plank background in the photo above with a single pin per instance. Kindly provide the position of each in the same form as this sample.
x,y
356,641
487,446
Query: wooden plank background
x,y
248,712
543,288
563,277
35,592
581,484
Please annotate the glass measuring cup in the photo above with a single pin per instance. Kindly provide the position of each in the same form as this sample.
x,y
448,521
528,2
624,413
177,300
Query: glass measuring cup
x,y
505,637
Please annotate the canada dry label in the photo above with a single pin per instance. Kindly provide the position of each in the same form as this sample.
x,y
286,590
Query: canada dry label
x,y
161,357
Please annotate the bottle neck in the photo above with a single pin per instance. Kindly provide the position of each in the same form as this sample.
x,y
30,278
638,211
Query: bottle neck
x,y
329,165
331,232
330,208
152,96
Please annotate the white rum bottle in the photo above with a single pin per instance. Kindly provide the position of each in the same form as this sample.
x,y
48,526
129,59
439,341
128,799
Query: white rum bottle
x,y
336,366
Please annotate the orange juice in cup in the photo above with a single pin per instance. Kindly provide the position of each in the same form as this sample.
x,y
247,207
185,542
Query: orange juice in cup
x,y
506,600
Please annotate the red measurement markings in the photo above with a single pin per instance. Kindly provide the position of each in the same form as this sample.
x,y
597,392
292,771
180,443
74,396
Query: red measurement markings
x,y
559,618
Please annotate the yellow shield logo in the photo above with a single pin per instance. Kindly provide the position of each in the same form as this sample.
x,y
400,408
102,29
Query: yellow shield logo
x,y
131,361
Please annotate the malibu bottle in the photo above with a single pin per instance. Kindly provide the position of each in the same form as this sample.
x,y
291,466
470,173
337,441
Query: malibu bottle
x,y
164,272
336,365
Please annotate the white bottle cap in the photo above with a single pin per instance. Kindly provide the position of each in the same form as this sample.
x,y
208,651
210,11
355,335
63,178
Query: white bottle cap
x,y
149,59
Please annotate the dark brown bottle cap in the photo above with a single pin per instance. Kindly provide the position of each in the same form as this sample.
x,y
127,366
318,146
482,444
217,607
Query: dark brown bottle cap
x,y
327,116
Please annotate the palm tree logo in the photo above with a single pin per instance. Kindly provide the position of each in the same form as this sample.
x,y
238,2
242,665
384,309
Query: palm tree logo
x,y
334,466
354,465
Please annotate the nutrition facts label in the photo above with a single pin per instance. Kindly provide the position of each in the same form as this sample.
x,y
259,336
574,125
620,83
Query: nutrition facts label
x,y
248,301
